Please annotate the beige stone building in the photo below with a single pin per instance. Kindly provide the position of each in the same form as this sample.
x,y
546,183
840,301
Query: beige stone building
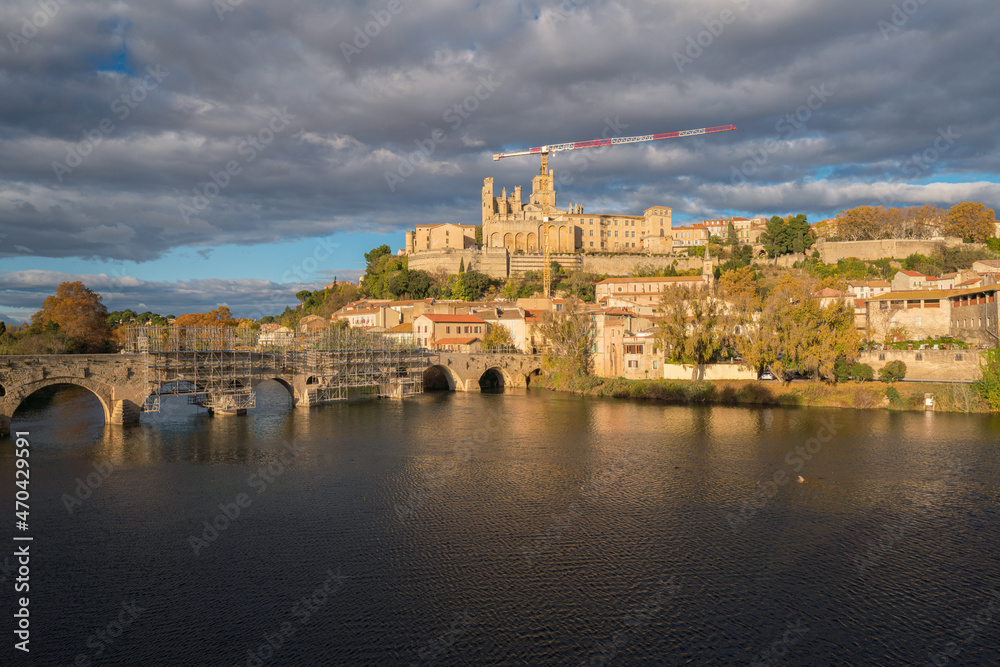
x,y
967,314
440,236
514,224
433,331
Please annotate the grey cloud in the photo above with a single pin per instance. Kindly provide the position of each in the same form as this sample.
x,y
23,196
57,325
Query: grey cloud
x,y
563,72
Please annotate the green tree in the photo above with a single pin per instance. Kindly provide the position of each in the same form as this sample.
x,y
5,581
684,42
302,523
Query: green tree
x,y
461,265
731,238
862,372
892,372
479,235
988,386
376,254
473,285
774,238
303,295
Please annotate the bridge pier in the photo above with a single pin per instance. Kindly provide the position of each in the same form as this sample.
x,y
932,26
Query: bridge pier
x,y
227,412
124,412
4,426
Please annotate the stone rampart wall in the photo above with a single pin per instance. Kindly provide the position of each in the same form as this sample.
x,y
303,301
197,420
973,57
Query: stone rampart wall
x,y
831,251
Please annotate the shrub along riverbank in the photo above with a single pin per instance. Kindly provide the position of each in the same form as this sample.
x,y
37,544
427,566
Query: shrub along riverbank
x,y
864,396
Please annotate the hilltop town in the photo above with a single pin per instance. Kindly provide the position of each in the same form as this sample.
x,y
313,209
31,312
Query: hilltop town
x,y
915,285
635,297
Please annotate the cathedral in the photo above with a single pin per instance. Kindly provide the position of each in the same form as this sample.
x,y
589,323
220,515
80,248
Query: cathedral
x,y
510,223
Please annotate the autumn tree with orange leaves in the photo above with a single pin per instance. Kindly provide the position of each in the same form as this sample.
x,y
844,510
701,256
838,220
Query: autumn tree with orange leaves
x,y
79,314
220,317
971,220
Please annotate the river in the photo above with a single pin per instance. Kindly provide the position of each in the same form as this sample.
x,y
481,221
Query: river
x,y
529,528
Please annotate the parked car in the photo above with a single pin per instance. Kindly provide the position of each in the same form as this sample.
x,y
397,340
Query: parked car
x,y
766,375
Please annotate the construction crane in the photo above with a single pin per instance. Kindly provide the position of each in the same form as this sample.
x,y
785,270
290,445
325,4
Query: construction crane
x,y
544,151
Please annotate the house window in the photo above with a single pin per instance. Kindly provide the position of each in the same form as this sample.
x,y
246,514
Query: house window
x,y
916,321
958,357
477,329
881,356
447,330
920,356
654,364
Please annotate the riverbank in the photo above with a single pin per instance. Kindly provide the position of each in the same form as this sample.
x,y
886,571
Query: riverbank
x,y
864,396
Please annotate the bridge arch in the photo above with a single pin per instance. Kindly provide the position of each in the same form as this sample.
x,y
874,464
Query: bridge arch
x,y
98,389
531,375
433,375
280,380
494,378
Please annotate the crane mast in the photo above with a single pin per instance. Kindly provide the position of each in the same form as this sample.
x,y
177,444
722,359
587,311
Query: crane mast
x,y
544,151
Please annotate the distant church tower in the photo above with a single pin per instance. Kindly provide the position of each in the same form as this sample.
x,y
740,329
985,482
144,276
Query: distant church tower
x,y
708,270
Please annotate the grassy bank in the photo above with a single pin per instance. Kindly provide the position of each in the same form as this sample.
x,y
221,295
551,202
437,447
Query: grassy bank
x,y
865,396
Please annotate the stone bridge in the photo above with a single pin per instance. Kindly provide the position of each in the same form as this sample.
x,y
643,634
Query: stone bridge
x,y
119,380
477,371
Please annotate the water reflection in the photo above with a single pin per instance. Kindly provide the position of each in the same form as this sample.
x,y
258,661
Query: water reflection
x,y
547,518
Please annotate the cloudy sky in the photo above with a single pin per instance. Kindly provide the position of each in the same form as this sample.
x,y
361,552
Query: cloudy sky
x,y
180,154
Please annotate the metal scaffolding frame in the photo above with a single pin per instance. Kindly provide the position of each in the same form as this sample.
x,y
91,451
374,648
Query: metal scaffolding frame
x,y
215,367
345,363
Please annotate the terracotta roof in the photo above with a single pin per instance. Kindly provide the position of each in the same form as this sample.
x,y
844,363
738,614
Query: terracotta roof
x,y
913,274
829,291
860,303
455,341
402,328
995,263
970,282
917,294
448,319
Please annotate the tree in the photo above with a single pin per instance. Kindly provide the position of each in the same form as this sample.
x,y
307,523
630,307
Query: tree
x,y
892,372
375,254
461,265
479,235
472,285
774,237
569,335
303,295
862,223
862,373
220,317
692,329
971,220
739,288
497,336
731,238
988,386
78,313
794,332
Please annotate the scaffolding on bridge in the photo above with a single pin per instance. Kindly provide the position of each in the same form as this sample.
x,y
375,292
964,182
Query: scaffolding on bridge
x,y
216,367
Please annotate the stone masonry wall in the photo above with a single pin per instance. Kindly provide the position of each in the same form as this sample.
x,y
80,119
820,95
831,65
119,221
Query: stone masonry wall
x,y
960,365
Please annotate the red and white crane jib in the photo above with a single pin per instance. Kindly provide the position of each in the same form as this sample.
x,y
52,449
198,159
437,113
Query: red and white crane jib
x,y
595,143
